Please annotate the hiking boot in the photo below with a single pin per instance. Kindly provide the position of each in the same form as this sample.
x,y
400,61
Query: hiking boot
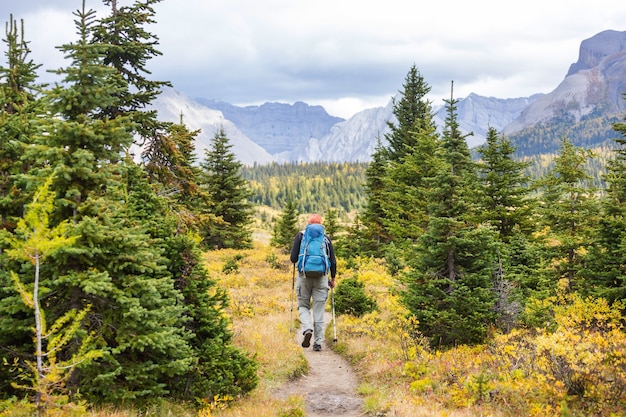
x,y
307,338
317,347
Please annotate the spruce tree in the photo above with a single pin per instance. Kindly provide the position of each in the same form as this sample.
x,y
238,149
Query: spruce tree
x,y
505,189
219,368
569,209
449,284
407,185
228,193
411,147
506,205
20,109
606,273
286,227
372,216
331,224
392,187
136,311
413,112
130,48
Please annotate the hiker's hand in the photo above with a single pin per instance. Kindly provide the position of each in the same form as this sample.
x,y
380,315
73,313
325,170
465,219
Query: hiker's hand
x,y
331,283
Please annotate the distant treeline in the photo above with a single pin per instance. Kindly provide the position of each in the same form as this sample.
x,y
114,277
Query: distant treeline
x,y
315,187
318,186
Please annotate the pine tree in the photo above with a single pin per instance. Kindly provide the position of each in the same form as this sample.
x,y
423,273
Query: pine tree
x,y
606,274
413,112
19,111
569,210
130,48
449,284
505,189
228,193
286,228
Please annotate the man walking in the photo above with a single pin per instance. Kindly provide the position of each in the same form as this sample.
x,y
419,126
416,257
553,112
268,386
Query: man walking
x,y
313,251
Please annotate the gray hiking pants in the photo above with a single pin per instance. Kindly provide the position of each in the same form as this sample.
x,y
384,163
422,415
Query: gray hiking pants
x,y
316,290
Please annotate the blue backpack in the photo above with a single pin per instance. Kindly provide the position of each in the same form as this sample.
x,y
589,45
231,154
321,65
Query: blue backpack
x,y
313,260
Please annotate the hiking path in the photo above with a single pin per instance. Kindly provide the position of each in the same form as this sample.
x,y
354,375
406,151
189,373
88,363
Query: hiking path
x,y
330,387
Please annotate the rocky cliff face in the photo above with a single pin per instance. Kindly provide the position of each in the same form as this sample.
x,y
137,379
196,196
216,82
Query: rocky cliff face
x,y
172,105
278,127
596,82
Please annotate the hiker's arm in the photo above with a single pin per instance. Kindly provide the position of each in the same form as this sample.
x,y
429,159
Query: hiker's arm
x,y
295,249
333,260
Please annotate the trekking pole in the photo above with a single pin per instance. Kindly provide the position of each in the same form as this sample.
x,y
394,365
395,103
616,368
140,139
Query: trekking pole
x,y
293,281
332,298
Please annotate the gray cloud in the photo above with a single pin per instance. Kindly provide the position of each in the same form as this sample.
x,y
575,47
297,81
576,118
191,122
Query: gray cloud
x,y
329,51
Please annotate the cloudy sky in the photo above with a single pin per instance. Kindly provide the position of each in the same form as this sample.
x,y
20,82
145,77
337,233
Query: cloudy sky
x,y
346,55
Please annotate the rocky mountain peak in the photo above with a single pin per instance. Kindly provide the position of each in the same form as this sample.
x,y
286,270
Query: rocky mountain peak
x,y
597,48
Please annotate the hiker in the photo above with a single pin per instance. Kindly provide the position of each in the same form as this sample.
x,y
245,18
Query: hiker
x,y
315,263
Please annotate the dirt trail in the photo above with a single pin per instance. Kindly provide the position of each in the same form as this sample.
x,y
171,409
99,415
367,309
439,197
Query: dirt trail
x,y
330,386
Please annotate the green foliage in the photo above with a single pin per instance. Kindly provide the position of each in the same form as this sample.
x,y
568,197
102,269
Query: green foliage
x,y
314,187
232,264
228,194
134,269
286,227
350,298
590,131
34,241
20,111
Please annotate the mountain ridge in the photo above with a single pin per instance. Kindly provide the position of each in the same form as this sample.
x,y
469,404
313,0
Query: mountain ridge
x,y
593,87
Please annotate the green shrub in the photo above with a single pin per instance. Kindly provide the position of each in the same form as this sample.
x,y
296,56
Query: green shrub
x,y
350,298
232,265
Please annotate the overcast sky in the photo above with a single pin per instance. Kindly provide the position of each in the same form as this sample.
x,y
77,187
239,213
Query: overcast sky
x,y
346,55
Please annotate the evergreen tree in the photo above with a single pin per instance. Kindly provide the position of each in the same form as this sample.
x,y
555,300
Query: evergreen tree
x,y
569,210
19,111
136,311
331,224
413,112
392,187
606,272
607,277
449,284
218,367
407,186
286,227
130,48
373,215
505,188
228,193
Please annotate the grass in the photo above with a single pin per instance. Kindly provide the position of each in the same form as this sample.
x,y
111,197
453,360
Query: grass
x,y
512,375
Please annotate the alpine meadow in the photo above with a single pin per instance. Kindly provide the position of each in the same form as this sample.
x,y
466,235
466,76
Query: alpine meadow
x,y
140,278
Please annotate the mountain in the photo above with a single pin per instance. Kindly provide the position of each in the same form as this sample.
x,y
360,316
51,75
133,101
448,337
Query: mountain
x,y
582,107
277,126
172,105
597,79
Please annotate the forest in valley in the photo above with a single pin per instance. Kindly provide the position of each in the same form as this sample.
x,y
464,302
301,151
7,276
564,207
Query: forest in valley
x,y
471,282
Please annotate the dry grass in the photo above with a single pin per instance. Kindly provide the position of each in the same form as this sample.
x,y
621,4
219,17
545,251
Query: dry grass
x,y
400,376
